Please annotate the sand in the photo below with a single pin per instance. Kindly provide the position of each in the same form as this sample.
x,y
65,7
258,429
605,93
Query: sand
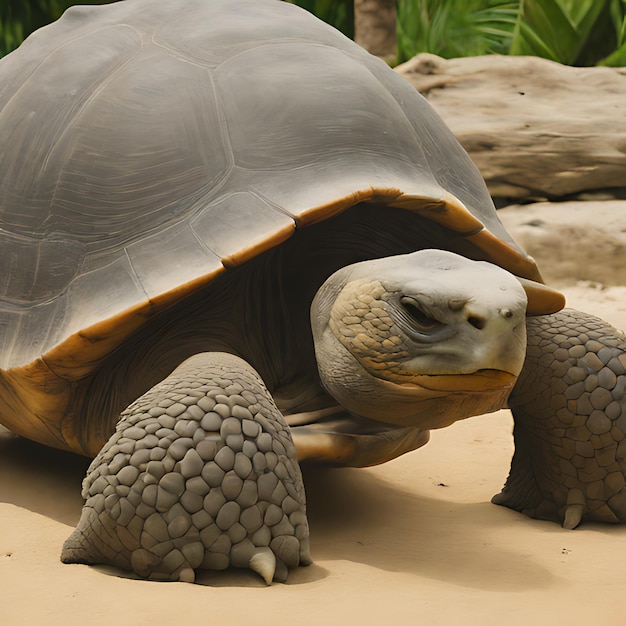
x,y
415,541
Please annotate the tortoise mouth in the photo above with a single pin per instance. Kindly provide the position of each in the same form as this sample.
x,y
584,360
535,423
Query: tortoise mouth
x,y
337,419
472,382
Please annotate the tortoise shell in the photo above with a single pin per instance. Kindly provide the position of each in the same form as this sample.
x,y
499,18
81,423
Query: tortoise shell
x,y
148,148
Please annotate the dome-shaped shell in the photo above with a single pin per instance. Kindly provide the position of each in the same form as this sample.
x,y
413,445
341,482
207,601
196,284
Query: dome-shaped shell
x,y
147,146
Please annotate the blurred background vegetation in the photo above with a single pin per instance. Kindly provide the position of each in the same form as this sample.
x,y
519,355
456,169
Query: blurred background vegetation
x,y
574,32
19,18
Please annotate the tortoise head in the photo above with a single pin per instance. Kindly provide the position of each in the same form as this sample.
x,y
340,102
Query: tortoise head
x,y
421,339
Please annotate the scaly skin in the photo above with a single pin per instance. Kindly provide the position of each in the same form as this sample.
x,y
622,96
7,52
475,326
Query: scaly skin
x,y
569,407
201,473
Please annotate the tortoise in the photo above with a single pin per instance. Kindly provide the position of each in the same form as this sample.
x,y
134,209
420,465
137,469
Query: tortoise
x,y
234,241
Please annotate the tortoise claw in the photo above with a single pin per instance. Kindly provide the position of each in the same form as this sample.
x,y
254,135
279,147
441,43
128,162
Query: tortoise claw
x,y
263,562
573,516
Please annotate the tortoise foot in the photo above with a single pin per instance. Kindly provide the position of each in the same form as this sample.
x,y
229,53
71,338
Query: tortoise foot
x,y
201,473
569,407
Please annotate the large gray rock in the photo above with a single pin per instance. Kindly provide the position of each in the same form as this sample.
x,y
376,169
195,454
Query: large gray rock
x,y
572,241
533,127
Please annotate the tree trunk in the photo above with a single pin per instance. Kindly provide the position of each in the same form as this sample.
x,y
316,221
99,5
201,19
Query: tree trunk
x,y
375,27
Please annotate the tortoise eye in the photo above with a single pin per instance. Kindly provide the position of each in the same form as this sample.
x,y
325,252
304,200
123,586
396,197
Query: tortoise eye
x,y
417,316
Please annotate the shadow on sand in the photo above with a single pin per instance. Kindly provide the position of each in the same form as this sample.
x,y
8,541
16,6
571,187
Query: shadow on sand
x,y
354,515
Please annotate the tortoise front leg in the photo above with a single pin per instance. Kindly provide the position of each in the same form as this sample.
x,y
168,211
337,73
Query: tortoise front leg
x,y
201,473
569,407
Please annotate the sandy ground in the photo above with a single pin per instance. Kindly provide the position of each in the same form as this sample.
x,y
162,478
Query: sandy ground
x,y
413,541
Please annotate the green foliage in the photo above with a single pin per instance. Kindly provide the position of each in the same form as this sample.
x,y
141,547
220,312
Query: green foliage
x,y
451,28
574,32
337,13
19,18
617,57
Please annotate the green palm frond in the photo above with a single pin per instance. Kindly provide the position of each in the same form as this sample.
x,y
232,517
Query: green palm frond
x,y
573,32
618,20
452,28
496,25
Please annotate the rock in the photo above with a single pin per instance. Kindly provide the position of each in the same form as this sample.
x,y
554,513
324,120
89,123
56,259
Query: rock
x,y
572,241
533,127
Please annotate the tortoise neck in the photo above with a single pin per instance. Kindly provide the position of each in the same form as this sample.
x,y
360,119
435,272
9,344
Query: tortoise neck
x,y
259,311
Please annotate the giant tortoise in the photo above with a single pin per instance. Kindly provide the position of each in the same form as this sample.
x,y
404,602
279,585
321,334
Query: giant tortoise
x,y
231,241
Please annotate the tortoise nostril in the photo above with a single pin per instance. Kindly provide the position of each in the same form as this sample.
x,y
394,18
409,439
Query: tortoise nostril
x,y
507,314
477,322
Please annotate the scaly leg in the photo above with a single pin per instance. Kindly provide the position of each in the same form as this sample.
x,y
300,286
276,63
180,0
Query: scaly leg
x,y
201,473
569,407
